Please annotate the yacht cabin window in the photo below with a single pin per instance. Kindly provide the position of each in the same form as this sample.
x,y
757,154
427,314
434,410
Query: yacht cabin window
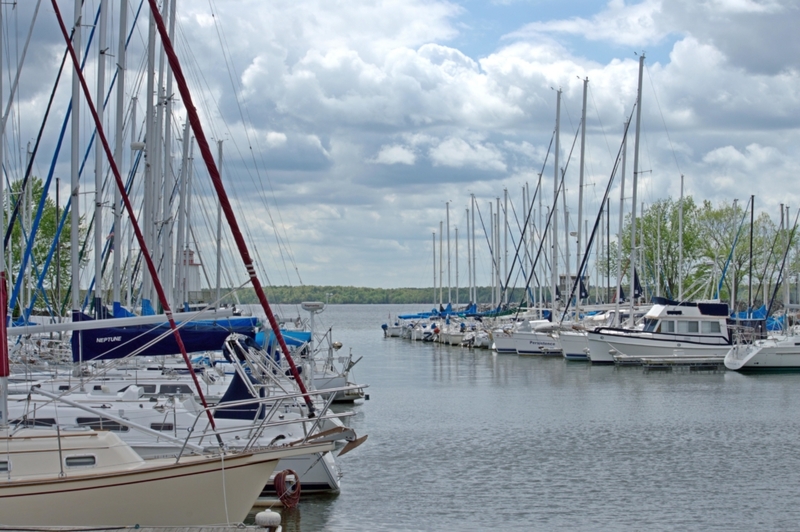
x,y
98,423
688,326
5,466
650,324
87,460
667,326
711,327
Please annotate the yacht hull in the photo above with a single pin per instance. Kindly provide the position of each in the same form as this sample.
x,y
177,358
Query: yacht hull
x,y
192,492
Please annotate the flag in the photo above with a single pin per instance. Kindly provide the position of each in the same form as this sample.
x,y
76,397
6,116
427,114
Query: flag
x,y
637,286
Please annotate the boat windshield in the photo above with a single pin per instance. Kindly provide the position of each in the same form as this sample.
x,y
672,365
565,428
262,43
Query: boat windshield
x,y
650,324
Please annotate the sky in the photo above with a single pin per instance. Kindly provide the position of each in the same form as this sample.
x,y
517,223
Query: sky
x,y
349,128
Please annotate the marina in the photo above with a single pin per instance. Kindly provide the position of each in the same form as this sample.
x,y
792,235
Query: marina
x,y
171,359
468,439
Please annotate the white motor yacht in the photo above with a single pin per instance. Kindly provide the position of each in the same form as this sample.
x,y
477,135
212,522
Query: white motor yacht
x,y
671,329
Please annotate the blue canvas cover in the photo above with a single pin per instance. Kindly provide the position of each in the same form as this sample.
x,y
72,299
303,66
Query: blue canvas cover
x,y
117,342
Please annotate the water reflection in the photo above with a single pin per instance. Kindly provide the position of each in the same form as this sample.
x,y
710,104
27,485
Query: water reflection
x,y
470,440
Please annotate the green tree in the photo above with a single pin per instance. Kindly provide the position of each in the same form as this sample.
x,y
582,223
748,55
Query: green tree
x,y
41,244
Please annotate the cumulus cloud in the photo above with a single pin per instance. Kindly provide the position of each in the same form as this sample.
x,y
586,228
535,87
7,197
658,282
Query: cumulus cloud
x,y
326,107
459,153
394,154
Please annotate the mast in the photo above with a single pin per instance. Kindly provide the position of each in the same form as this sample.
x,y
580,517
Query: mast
x,y
554,236
617,320
75,212
119,138
658,253
492,253
580,197
447,214
433,248
750,275
188,221
474,274
149,158
98,165
680,245
169,182
456,235
219,230
181,255
498,270
441,263
5,368
469,262
735,283
505,243
635,180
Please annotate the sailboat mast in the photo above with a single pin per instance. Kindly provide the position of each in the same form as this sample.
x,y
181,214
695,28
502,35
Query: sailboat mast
x,y
617,320
441,262
505,245
554,236
98,164
750,274
149,158
219,232
449,291
433,248
188,219
169,182
5,368
680,245
580,197
118,143
74,170
180,267
469,261
474,274
635,181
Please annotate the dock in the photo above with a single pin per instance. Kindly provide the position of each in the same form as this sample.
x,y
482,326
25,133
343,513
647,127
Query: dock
x,y
691,363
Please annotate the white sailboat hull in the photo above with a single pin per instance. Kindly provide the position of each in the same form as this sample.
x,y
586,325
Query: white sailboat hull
x,y
574,344
769,354
526,343
200,490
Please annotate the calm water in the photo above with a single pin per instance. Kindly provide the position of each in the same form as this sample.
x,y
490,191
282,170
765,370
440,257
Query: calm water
x,y
469,440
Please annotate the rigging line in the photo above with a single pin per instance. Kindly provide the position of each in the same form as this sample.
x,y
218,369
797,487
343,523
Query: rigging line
x,y
224,47
15,210
767,263
730,254
602,128
585,259
258,182
20,64
280,242
663,121
486,235
516,255
530,212
783,263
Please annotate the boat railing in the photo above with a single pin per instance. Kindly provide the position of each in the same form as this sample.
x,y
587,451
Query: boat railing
x,y
272,406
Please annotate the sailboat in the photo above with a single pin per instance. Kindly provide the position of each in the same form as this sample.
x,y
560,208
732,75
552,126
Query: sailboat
x,y
90,478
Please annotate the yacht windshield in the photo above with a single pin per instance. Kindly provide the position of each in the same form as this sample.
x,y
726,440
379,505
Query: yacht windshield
x,y
650,324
